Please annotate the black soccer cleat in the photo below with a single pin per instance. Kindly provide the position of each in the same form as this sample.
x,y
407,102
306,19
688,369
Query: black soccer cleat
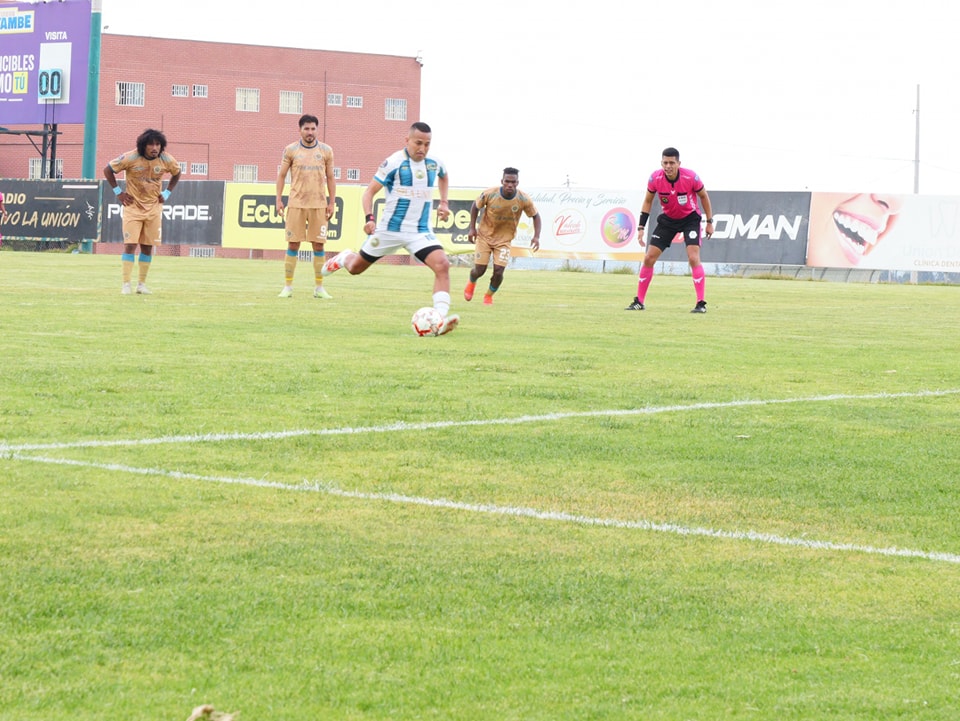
x,y
635,305
700,307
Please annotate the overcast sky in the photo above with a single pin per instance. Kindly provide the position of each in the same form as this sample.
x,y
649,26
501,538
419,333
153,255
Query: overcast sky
x,y
756,95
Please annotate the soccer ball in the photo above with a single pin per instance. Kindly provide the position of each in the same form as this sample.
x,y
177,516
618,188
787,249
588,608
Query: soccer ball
x,y
426,321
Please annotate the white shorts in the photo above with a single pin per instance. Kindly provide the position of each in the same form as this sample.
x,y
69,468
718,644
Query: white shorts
x,y
384,242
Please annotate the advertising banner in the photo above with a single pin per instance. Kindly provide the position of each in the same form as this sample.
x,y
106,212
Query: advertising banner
x,y
251,219
879,231
192,216
452,232
576,224
602,225
751,227
871,231
583,224
48,210
44,52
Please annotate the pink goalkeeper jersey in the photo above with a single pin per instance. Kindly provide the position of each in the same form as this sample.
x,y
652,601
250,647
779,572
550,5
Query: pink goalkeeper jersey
x,y
678,198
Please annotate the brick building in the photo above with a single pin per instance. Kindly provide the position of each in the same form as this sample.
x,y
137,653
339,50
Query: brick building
x,y
228,110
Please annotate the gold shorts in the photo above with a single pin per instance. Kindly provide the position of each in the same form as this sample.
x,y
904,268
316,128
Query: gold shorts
x,y
499,249
142,228
306,225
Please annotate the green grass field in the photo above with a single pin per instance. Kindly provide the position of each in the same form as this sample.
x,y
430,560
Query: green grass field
x,y
562,511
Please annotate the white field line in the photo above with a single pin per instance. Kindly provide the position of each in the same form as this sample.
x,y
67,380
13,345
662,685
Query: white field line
x,y
14,452
515,511
7,448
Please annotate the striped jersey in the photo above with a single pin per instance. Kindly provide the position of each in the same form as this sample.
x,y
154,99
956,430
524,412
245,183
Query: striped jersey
x,y
408,187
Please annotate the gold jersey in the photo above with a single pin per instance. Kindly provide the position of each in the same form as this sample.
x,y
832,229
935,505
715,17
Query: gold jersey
x,y
145,177
500,216
309,169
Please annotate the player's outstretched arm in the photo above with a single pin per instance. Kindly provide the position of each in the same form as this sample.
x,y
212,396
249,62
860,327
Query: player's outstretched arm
x,y
537,225
366,202
707,209
472,230
443,182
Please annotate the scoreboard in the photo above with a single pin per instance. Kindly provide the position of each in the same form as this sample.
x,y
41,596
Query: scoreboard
x,y
44,55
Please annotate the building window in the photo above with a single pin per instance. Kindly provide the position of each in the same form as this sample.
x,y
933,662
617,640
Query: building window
x,y
198,168
199,91
248,100
37,168
395,109
291,102
334,99
354,101
130,93
180,91
353,174
336,173
245,173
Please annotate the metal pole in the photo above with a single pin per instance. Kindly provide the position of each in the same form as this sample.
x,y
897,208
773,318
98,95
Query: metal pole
x,y
89,170
53,151
44,149
916,149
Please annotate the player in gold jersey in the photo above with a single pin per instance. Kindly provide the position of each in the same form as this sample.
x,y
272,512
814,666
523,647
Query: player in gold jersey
x,y
499,211
311,202
142,200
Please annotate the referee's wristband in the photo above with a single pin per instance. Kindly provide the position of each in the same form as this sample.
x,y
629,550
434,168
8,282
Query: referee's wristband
x,y
370,218
117,190
165,194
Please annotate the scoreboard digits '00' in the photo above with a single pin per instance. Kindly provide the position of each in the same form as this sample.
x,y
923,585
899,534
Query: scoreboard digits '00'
x,y
50,84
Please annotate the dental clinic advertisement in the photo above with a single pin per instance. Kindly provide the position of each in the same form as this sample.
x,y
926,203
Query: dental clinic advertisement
x,y
879,231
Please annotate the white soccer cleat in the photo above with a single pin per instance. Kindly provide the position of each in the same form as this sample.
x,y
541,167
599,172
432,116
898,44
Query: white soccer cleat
x,y
449,323
287,292
335,263
142,289
322,293
125,289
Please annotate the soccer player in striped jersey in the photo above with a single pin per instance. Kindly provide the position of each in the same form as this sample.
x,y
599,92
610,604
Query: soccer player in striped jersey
x,y
408,179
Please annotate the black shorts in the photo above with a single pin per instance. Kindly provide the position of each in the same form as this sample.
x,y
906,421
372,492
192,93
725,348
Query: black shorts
x,y
667,228
420,255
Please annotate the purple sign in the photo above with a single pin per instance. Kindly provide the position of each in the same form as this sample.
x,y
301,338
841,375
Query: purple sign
x,y
44,52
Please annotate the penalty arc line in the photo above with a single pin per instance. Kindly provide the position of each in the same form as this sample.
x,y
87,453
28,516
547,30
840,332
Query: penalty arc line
x,y
516,511
6,448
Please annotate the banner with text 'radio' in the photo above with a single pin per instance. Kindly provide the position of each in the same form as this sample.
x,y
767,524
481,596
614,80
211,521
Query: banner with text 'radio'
x,y
51,210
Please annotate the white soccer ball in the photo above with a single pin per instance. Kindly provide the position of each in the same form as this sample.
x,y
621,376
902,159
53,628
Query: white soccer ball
x,y
426,321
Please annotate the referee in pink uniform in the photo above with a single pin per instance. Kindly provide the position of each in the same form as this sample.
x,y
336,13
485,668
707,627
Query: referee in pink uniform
x,y
679,190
